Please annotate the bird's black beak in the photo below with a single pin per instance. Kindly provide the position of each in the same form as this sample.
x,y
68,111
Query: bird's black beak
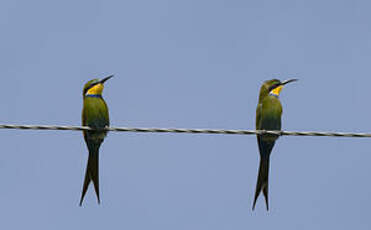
x,y
288,81
105,79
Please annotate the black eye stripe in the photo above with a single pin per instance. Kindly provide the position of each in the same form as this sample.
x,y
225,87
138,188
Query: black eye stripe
x,y
274,86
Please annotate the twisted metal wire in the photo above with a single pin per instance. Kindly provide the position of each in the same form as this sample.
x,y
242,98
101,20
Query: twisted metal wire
x,y
194,131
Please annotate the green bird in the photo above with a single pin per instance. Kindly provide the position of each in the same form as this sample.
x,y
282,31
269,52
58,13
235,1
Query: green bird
x,y
95,115
268,117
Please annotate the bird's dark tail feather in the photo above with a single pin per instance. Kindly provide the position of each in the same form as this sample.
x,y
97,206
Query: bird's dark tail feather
x,y
92,171
262,183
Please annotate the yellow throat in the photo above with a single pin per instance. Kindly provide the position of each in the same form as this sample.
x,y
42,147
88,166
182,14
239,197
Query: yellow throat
x,y
276,91
96,90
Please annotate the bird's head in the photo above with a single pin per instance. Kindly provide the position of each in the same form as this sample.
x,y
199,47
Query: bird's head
x,y
95,86
273,86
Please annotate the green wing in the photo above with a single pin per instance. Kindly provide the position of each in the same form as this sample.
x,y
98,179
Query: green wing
x,y
95,113
258,116
268,117
271,111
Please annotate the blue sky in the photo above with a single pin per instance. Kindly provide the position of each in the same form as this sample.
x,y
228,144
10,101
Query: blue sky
x,y
186,64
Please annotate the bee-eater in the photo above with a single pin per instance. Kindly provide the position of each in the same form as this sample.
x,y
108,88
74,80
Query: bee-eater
x,y
268,117
95,115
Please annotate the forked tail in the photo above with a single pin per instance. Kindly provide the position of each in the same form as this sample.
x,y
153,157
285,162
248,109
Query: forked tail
x,y
92,171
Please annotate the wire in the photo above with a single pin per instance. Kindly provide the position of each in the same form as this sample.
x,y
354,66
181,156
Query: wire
x,y
194,131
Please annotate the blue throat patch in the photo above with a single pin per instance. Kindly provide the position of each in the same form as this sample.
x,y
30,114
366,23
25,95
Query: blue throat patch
x,y
94,95
274,95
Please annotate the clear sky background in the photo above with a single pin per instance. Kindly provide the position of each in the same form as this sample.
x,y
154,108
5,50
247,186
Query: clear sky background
x,y
185,64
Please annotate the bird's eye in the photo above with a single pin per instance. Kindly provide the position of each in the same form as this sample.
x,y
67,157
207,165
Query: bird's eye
x,y
274,86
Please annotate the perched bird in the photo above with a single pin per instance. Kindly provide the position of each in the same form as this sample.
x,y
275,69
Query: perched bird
x,y
95,115
268,117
